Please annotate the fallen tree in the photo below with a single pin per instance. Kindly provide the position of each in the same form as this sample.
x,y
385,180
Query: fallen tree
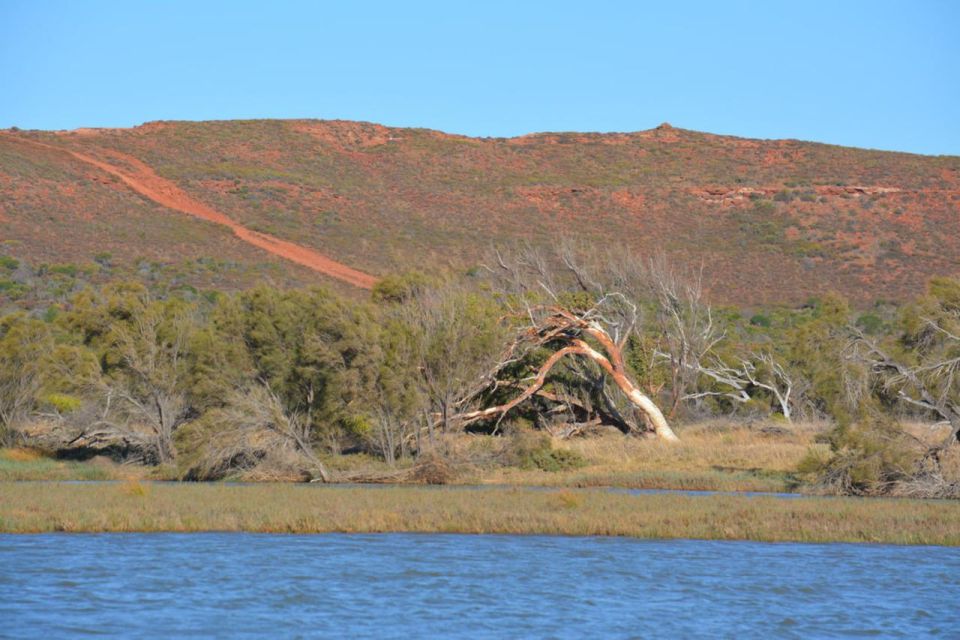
x,y
583,329
567,333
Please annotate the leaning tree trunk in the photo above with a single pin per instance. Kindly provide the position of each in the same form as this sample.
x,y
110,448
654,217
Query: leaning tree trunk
x,y
566,328
637,398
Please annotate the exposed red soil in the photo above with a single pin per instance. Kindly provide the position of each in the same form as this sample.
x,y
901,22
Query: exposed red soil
x,y
771,221
142,179
733,195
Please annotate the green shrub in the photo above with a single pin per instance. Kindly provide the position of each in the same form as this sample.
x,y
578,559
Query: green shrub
x,y
557,460
870,323
65,269
11,289
62,402
866,458
104,258
399,288
533,450
762,223
760,320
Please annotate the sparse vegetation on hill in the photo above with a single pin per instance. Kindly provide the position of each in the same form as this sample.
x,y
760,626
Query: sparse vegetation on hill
x,y
772,221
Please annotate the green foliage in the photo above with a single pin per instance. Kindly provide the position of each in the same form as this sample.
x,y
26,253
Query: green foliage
x,y
532,450
946,292
867,457
762,223
25,348
870,323
815,350
11,289
399,288
62,402
760,320
377,376
65,269
557,460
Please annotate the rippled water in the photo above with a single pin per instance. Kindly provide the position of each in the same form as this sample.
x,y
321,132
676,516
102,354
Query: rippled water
x,y
402,585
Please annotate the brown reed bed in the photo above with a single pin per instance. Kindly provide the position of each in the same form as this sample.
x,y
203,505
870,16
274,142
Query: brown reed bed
x,y
285,508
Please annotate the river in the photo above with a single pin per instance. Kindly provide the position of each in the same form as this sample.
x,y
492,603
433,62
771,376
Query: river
x,y
217,585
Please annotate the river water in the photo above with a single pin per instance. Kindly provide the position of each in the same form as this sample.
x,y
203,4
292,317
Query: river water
x,y
231,585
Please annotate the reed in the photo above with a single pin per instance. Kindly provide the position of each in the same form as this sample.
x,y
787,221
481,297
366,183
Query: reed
x,y
117,507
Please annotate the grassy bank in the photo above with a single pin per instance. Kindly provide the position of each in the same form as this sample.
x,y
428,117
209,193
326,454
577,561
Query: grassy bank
x,y
135,506
26,464
712,456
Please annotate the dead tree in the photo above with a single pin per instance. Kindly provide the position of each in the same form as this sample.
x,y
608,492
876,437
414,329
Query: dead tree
x,y
454,339
560,308
567,333
777,380
740,383
689,334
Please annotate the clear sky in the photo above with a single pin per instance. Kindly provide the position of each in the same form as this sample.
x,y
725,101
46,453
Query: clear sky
x,y
876,74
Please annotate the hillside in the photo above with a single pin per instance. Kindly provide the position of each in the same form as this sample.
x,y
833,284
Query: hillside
x,y
232,203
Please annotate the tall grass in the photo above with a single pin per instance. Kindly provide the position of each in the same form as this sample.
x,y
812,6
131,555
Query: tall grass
x,y
715,456
712,456
315,509
26,464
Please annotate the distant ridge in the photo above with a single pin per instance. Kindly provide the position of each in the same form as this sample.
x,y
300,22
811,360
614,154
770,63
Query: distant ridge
x,y
773,221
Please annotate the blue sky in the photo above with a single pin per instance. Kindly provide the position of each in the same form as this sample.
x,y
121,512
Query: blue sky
x,y
874,74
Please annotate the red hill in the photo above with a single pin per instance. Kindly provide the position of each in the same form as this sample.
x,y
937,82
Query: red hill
x,y
771,221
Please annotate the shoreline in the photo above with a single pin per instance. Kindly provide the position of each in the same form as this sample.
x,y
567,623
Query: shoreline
x,y
133,506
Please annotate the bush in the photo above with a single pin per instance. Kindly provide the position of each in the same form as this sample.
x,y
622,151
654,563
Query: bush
x,y
70,270
399,288
104,259
532,450
431,468
760,320
870,323
12,289
867,458
62,402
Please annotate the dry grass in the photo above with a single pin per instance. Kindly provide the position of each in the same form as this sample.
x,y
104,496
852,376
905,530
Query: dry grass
x,y
29,465
714,455
20,454
314,509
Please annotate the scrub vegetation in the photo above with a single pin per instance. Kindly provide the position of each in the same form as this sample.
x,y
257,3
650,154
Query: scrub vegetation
x,y
774,221
575,367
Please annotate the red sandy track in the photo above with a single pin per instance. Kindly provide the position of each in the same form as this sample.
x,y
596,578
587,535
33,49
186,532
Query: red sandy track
x,y
147,183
